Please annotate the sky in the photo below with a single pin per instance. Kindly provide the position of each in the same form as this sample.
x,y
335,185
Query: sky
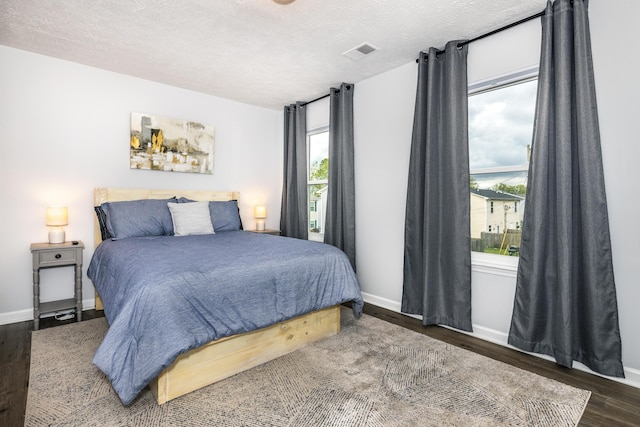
x,y
501,125
318,147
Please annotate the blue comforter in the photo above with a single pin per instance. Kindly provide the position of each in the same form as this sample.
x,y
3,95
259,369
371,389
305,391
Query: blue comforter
x,y
166,295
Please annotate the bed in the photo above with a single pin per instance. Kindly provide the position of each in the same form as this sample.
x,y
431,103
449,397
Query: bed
x,y
185,311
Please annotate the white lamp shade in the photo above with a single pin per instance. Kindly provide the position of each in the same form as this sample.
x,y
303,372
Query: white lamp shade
x,y
57,216
260,212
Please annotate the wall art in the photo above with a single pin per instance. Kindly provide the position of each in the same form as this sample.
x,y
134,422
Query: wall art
x,y
174,145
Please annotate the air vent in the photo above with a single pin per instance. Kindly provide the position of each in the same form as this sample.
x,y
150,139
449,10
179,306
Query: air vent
x,y
360,51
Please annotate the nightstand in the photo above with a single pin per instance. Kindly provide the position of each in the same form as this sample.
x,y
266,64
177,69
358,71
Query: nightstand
x,y
272,232
48,255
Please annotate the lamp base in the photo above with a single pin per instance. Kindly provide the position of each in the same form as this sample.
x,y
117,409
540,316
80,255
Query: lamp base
x,y
56,235
260,225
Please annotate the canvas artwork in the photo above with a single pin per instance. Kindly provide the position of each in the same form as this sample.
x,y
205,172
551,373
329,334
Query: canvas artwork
x,y
166,144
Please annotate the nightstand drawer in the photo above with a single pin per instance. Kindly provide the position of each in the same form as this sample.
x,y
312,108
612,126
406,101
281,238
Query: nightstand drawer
x,y
57,257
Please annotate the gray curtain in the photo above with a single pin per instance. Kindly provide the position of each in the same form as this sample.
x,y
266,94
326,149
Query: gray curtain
x,y
565,302
437,253
293,213
340,223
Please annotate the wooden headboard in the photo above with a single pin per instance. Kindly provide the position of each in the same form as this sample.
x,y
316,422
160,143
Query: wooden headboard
x,y
103,194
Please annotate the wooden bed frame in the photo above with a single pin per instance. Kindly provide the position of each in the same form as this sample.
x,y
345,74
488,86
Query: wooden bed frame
x,y
228,356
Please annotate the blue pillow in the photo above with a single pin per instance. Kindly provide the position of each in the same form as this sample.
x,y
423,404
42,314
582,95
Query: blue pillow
x,y
225,216
139,218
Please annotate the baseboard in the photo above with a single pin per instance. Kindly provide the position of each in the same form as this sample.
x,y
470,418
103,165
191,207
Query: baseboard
x,y
497,337
24,315
382,302
16,316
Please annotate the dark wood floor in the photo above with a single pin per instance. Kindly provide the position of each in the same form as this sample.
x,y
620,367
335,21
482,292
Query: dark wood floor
x,y
611,403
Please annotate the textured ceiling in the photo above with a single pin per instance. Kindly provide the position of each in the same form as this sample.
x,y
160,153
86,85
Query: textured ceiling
x,y
253,51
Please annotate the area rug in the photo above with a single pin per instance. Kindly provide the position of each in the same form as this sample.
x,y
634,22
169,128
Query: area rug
x,y
373,373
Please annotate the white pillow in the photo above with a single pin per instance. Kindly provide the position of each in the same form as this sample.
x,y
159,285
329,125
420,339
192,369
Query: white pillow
x,y
191,218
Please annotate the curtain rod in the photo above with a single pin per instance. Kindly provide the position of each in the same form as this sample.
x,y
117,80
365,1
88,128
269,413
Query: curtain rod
x,y
317,99
348,86
506,27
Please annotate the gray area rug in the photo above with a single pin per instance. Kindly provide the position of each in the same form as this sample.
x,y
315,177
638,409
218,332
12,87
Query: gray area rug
x,y
373,373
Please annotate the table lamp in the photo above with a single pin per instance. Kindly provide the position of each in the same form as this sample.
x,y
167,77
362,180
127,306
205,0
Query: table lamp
x,y
56,218
260,213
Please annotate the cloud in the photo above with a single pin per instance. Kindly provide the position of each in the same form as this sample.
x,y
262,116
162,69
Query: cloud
x,y
501,125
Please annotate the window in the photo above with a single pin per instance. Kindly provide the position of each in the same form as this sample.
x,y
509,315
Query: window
x,y
501,114
317,181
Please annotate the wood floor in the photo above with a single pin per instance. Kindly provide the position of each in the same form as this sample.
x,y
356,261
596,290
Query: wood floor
x,y
611,403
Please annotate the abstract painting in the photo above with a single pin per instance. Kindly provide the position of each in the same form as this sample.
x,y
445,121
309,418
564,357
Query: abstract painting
x,y
174,145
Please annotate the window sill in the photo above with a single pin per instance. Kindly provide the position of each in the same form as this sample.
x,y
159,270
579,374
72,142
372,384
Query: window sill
x,y
500,265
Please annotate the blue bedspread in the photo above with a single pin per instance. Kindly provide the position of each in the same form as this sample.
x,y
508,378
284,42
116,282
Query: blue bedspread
x,y
166,295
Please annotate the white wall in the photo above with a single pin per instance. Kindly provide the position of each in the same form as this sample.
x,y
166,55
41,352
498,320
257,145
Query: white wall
x,y
65,130
618,91
383,124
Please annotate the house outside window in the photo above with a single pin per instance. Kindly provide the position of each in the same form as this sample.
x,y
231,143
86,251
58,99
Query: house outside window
x,y
317,181
501,114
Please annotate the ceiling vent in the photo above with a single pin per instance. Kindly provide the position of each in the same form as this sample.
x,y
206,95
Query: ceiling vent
x,y
360,51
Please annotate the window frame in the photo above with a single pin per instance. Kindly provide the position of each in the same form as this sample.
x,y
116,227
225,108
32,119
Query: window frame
x,y
492,263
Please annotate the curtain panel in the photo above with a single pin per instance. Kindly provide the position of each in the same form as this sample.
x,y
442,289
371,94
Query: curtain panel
x,y
565,302
437,253
340,222
293,212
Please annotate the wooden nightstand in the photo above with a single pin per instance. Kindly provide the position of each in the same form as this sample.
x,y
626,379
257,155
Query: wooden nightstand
x,y
48,255
272,232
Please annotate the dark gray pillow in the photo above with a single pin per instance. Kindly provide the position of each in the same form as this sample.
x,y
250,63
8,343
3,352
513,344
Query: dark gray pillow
x,y
102,222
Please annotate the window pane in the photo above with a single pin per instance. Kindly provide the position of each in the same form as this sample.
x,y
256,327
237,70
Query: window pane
x,y
318,178
500,131
501,125
317,202
318,157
